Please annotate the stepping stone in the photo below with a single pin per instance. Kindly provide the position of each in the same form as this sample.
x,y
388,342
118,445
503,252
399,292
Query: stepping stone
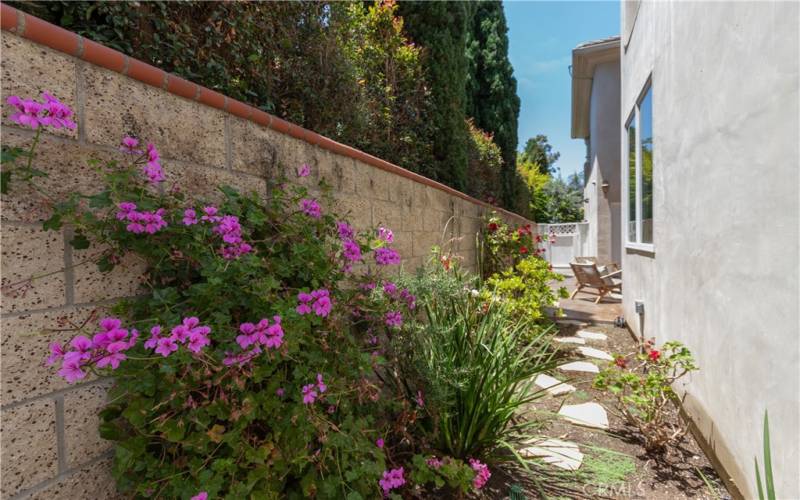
x,y
572,322
560,453
591,352
569,340
553,385
586,414
580,366
586,334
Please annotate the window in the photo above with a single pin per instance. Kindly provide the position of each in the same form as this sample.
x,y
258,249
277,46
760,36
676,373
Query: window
x,y
639,173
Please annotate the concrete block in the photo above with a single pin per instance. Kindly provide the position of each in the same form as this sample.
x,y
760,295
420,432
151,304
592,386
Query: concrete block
x,y
67,166
25,347
91,285
81,423
93,481
254,149
29,446
28,252
28,69
202,182
336,171
423,241
117,106
387,214
371,182
356,209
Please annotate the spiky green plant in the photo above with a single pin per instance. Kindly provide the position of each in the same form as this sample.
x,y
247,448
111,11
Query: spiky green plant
x,y
769,484
479,362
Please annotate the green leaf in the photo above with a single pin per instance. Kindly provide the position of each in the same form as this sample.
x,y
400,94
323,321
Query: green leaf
x,y
5,180
104,265
53,223
100,200
80,242
768,461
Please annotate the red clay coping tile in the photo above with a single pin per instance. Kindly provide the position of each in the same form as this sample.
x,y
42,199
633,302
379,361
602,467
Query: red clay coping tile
x,y
44,33
8,17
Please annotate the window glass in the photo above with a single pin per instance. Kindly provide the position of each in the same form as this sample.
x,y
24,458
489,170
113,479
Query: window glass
x,y
646,140
632,179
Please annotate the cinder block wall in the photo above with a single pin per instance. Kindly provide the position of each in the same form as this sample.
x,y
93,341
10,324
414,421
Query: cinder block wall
x,y
50,443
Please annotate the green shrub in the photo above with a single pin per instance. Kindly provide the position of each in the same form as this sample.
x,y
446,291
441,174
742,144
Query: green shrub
x,y
474,362
642,386
484,166
525,287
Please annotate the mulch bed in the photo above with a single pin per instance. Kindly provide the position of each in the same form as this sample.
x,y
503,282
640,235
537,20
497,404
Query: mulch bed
x,y
615,462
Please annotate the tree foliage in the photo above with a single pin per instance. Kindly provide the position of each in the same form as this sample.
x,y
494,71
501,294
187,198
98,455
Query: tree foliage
x,y
492,99
441,28
552,200
538,151
395,80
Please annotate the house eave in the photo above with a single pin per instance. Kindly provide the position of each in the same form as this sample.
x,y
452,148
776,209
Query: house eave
x,y
585,58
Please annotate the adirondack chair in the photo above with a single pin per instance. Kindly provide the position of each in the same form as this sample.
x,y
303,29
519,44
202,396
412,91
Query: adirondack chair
x,y
604,280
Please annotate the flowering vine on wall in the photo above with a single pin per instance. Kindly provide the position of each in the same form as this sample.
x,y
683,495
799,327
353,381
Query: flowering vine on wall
x,y
248,364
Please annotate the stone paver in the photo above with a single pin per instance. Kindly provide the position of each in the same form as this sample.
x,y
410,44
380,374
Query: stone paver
x,y
591,352
560,453
580,366
586,334
553,385
586,414
569,340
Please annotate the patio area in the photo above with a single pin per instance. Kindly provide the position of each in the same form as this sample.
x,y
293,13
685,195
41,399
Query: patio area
x,y
582,308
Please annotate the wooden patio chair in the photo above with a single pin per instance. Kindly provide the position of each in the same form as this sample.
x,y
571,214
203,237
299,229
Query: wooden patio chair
x,y
603,281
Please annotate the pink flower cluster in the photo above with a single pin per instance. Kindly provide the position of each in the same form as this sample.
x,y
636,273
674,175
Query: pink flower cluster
x,y
351,250
385,234
152,163
394,319
253,337
226,226
386,256
141,222
482,473
50,113
318,300
390,289
434,463
105,349
310,391
189,332
152,168
311,208
304,170
200,496
392,479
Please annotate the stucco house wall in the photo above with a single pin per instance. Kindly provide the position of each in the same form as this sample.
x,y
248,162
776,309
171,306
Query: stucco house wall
x,y
595,118
604,157
723,275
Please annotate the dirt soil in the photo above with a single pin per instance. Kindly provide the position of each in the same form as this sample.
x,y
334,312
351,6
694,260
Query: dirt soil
x,y
615,462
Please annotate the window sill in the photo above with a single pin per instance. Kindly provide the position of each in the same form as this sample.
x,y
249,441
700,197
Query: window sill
x,y
646,248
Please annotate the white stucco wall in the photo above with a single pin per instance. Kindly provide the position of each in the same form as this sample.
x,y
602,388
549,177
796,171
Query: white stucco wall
x,y
724,275
604,153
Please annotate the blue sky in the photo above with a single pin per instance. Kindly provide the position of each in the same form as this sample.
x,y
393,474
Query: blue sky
x,y
541,38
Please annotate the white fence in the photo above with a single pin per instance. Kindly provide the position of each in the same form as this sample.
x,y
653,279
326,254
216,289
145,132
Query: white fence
x,y
564,242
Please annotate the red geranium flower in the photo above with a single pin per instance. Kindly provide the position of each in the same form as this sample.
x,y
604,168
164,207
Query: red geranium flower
x,y
654,355
523,250
492,227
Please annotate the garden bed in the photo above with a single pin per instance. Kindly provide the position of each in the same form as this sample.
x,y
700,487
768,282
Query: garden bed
x,y
615,463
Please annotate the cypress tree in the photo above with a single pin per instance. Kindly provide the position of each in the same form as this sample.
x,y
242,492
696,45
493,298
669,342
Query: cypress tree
x,y
492,99
441,27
